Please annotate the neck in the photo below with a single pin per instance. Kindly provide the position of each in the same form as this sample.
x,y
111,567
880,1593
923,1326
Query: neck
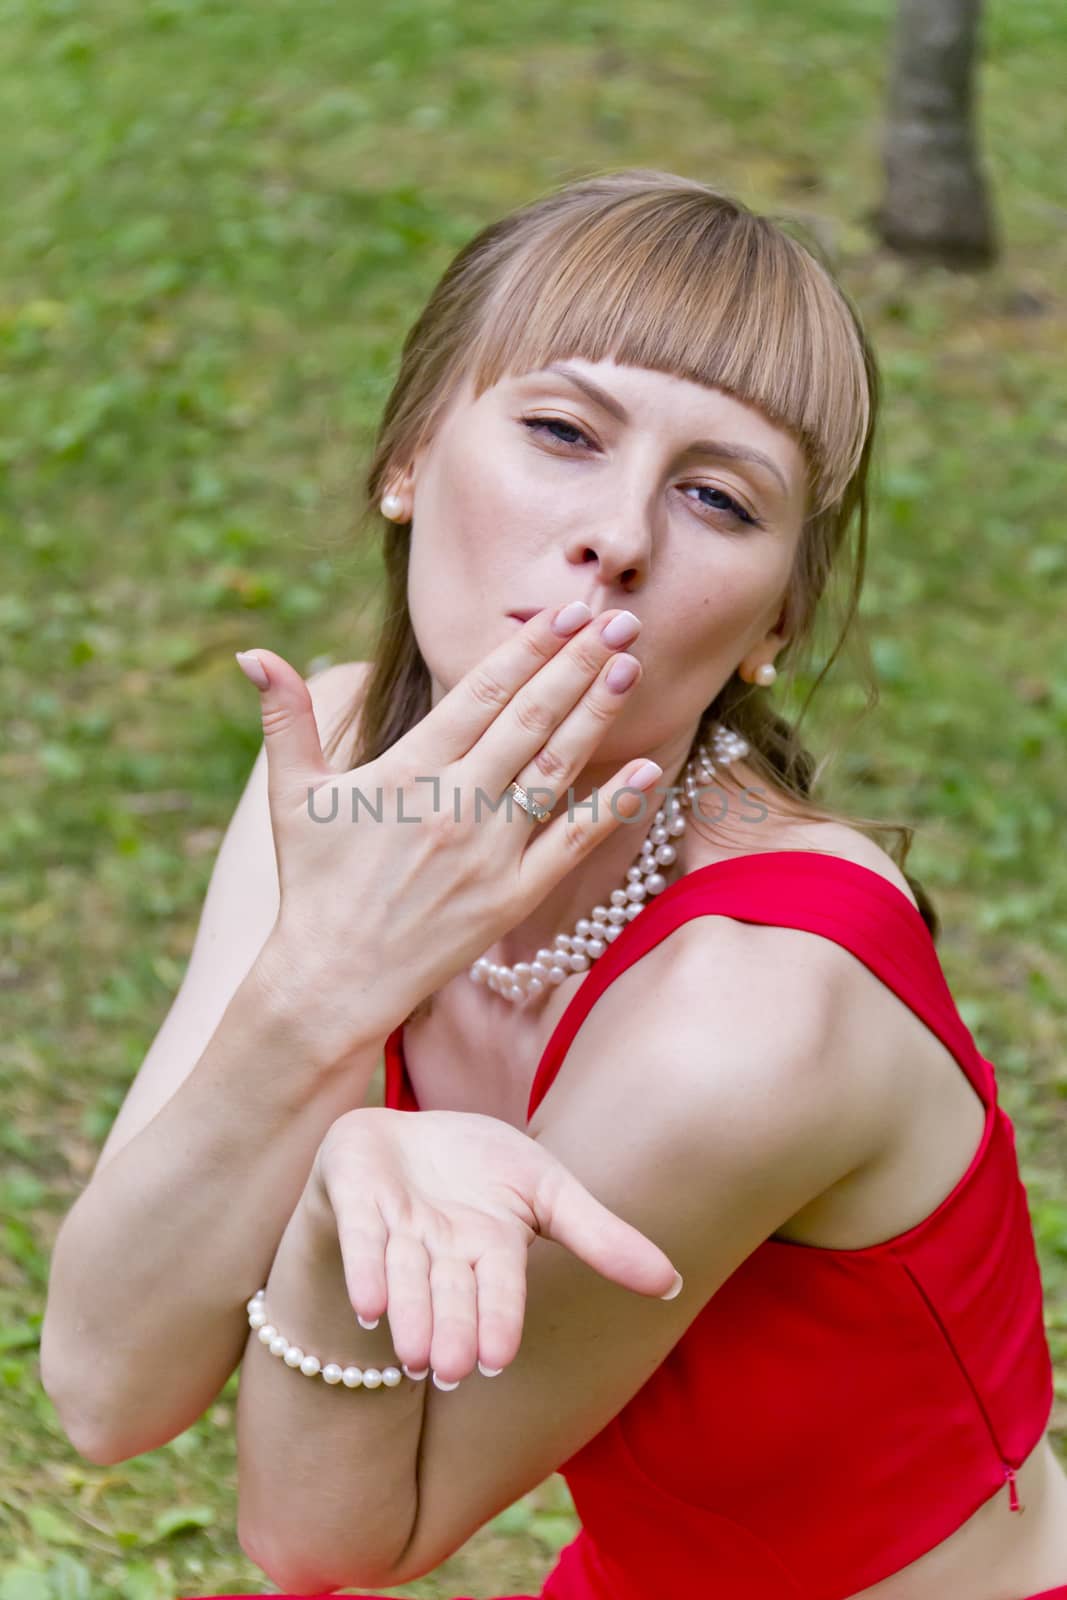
x,y
591,882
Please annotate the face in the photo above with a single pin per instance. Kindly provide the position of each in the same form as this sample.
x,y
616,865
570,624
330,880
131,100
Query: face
x,y
672,500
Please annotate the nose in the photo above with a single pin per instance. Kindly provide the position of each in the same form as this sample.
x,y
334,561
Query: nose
x,y
622,551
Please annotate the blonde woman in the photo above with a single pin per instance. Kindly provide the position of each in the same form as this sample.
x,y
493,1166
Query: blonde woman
x,y
709,1203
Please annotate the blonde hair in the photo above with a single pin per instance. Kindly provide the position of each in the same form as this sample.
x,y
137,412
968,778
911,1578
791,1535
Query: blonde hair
x,y
650,269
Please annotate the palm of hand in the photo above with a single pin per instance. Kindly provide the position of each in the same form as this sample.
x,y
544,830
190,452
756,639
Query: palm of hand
x,y
435,1212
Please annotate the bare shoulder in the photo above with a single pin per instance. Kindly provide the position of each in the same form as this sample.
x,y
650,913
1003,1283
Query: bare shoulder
x,y
838,839
758,985
813,971
735,1027
770,947
781,1036
794,1011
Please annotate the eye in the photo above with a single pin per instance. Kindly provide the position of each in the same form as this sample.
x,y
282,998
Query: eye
x,y
536,423
719,501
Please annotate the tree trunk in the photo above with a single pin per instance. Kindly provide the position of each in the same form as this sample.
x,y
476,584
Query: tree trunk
x,y
935,205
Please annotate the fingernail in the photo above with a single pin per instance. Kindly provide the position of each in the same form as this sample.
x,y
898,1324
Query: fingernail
x,y
675,1289
253,668
441,1384
489,1372
621,629
570,618
622,673
416,1376
367,1325
644,776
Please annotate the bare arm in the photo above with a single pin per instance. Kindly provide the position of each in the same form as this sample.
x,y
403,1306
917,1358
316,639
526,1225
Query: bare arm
x,y
201,1171
357,1448
343,1488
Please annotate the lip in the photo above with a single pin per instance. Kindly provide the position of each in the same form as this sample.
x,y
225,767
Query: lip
x,y
524,613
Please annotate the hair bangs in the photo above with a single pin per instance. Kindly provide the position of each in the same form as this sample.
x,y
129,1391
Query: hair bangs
x,y
655,270
706,292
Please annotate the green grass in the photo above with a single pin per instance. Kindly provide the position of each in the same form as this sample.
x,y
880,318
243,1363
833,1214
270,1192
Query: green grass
x,y
219,220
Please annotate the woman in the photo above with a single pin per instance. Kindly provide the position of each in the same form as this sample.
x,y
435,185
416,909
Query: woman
x,y
721,1015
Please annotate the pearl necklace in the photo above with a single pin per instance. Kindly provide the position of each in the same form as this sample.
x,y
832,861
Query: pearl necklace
x,y
576,952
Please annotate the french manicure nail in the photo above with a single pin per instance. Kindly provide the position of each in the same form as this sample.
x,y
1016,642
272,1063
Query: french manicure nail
x,y
644,776
416,1376
253,668
367,1325
621,629
622,673
570,618
441,1384
489,1372
675,1289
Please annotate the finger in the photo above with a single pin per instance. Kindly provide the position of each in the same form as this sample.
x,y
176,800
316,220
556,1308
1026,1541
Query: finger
x,y
363,1237
522,737
500,1279
407,1274
460,719
569,1214
290,732
557,846
569,745
454,1348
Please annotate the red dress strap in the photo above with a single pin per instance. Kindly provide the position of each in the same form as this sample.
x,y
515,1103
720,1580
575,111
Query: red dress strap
x,y
810,890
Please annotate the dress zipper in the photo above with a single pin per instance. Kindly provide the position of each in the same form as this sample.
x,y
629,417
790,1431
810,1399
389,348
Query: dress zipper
x,y
1013,1499
1009,1470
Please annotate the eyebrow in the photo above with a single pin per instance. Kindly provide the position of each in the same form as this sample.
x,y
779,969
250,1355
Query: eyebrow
x,y
714,449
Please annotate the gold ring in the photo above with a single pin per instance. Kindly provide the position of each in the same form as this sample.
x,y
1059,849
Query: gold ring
x,y
532,808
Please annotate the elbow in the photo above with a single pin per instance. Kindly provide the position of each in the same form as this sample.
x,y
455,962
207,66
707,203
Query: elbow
x,y
103,1451
81,1433
107,1429
317,1551
294,1570
99,1445
102,1455
94,1446
86,1442
72,1425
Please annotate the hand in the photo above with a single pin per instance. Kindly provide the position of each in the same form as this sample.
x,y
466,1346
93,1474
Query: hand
x,y
435,1212
377,914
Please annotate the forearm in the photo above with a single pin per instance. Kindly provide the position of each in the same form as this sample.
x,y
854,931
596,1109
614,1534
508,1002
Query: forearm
x,y
326,1475
145,1317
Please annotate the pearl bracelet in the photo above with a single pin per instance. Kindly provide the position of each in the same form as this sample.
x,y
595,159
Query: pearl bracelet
x,y
311,1366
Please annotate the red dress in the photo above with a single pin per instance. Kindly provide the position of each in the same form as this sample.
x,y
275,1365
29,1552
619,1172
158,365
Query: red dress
x,y
830,1415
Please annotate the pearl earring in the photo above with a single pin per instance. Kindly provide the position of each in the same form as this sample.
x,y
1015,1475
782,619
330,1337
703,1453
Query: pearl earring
x,y
766,674
392,507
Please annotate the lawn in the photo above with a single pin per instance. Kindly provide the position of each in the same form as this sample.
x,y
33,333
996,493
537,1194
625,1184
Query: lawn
x,y
219,221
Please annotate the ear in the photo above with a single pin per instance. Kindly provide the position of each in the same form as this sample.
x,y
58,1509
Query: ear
x,y
764,649
398,480
778,636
